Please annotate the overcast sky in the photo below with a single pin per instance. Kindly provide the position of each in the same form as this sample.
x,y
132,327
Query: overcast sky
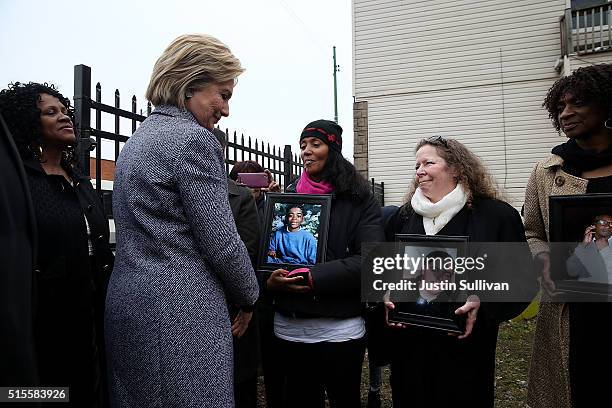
x,y
285,46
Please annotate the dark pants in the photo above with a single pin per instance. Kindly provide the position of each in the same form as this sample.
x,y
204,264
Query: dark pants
x,y
589,349
246,361
274,377
434,370
245,393
313,369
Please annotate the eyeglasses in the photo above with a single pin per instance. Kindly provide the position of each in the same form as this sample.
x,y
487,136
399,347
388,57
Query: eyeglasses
x,y
438,139
604,223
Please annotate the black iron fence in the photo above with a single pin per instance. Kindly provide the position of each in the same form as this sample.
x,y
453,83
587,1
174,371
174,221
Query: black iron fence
x,y
91,138
283,164
378,189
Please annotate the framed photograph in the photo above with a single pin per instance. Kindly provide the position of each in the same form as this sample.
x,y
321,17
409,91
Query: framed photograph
x,y
434,301
581,246
295,231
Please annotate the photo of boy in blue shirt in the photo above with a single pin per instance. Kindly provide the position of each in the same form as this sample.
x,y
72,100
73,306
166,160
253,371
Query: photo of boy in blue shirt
x,y
291,244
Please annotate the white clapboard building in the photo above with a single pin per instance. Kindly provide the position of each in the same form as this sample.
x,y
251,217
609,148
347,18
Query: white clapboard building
x,y
474,70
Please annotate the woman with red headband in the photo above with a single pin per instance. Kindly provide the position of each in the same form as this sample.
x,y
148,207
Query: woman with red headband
x,y
320,327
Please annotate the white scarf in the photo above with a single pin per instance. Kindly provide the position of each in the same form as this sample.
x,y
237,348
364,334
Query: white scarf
x,y
437,215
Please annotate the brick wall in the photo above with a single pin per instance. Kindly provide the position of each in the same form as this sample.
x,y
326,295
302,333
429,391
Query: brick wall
x,y
360,129
107,167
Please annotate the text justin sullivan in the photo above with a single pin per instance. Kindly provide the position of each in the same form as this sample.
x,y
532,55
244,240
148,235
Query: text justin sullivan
x,y
407,284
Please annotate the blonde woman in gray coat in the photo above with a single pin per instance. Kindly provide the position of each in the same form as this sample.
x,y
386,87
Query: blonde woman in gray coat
x,y
179,257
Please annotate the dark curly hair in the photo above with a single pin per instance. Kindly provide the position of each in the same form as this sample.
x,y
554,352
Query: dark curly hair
x,y
247,166
344,177
592,84
18,105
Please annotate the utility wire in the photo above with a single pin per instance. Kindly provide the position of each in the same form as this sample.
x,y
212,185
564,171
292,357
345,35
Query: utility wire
x,y
501,70
308,32
580,59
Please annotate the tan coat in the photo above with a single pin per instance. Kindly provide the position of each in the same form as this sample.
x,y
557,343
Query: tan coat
x,y
549,373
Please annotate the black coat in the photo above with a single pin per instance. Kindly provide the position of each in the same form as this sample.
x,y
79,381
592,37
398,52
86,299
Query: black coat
x,y
17,252
246,216
244,210
354,219
437,370
71,285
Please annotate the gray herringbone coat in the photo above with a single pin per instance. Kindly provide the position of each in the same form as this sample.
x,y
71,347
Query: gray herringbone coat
x,y
178,258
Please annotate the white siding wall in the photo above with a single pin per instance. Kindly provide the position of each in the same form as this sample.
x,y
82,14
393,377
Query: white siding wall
x,y
434,67
471,115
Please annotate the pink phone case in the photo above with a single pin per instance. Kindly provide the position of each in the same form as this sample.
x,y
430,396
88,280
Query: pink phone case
x,y
253,180
303,272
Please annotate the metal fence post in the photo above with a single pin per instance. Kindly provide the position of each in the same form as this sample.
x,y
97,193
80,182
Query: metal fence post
x,y
82,114
287,171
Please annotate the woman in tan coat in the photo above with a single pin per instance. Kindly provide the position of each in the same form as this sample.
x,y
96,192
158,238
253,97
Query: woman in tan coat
x,y
570,346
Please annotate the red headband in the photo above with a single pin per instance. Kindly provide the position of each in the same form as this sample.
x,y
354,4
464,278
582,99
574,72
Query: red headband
x,y
330,136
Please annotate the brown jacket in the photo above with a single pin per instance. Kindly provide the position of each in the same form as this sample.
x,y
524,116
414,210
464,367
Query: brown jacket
x,y
549,385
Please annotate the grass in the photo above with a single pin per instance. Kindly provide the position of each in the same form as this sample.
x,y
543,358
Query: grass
x,y
512,366
513,356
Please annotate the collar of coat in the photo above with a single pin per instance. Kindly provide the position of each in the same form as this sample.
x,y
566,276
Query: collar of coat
x,y
33,164
232,187
170,110
552,161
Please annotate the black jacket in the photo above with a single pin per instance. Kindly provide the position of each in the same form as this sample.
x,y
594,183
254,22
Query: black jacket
x,y
71,285
354,219
17,252
244,210
437,356
486,221
246,216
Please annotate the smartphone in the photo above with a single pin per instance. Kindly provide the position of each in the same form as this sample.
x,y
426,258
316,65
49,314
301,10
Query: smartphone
x,y
253,180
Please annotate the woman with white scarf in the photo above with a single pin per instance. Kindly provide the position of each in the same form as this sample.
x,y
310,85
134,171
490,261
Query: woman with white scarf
x,y
453,194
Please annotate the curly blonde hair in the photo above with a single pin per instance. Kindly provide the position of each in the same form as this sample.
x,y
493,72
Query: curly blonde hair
x,y
189,63
471,172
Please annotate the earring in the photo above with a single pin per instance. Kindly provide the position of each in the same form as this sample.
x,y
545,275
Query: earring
x,y
36,150
608,125
188,94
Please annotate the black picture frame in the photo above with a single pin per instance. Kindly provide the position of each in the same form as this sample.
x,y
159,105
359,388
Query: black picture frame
x,y
431,315
569,215
277,205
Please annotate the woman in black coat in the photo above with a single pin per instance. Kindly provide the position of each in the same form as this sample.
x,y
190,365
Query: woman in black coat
x,y
74,259
453,194
320,326
272,370
245,335
17,240
244,322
